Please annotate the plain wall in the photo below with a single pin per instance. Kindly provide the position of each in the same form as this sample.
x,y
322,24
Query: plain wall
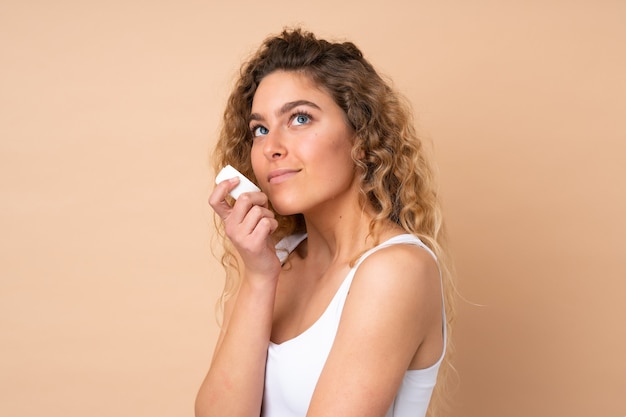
x,y
108,111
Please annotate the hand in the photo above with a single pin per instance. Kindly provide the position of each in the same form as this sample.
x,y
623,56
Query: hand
x,y
248,224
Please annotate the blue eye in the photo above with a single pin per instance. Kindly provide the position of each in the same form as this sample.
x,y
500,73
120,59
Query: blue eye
x,y
301,119
259,131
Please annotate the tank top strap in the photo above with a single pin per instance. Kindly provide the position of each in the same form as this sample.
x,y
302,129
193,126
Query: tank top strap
x,y
287,245
402,239
397,240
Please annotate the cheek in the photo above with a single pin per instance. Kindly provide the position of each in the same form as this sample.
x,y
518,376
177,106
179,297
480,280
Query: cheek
x,y
342,149
337,162
256,155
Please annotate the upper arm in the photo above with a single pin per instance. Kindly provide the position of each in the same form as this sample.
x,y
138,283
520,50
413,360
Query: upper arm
x,y
394,300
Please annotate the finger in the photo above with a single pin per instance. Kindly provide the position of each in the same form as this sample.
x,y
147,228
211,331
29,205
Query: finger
x,y
256,198
217,199
245,203
243,224
254,216
263,229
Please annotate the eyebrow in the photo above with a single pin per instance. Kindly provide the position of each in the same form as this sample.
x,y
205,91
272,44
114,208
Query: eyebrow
x,y
286,108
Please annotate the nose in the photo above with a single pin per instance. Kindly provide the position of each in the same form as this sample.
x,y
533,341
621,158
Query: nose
x,y
274,146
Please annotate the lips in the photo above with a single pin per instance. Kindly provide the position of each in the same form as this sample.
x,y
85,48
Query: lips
x,y
279,175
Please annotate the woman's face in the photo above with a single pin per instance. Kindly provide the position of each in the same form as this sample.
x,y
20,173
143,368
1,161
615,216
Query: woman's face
x,y
301,150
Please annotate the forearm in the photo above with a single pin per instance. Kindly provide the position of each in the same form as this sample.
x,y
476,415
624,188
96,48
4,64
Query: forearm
x,y
234,384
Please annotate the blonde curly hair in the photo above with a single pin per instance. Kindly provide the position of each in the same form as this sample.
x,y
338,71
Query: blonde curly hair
x,y
397,179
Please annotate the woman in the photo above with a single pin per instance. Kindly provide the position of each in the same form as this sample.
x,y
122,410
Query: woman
x,y
353,323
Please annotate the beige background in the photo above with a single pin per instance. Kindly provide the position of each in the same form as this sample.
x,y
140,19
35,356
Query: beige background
x,y
108,111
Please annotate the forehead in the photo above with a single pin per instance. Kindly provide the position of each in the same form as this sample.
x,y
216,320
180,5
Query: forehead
x,y
285,86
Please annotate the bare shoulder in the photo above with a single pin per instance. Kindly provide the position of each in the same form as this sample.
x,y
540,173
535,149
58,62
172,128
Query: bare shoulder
x,y
398,284
395,291
402,265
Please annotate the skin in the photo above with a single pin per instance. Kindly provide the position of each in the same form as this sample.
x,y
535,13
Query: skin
x,y
391,321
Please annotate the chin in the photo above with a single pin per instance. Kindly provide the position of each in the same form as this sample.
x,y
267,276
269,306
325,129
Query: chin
x,y
285,211
286,208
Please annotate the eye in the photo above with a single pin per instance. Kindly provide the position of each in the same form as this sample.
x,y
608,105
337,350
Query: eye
x,y
301,119
259,131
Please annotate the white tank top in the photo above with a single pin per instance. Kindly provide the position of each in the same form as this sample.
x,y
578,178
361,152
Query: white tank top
x,y
294,366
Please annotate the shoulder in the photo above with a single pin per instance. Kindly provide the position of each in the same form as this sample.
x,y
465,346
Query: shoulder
x,y
399,264
400,280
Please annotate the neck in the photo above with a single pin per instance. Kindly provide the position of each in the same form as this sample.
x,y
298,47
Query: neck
x,y
339,230
338,238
